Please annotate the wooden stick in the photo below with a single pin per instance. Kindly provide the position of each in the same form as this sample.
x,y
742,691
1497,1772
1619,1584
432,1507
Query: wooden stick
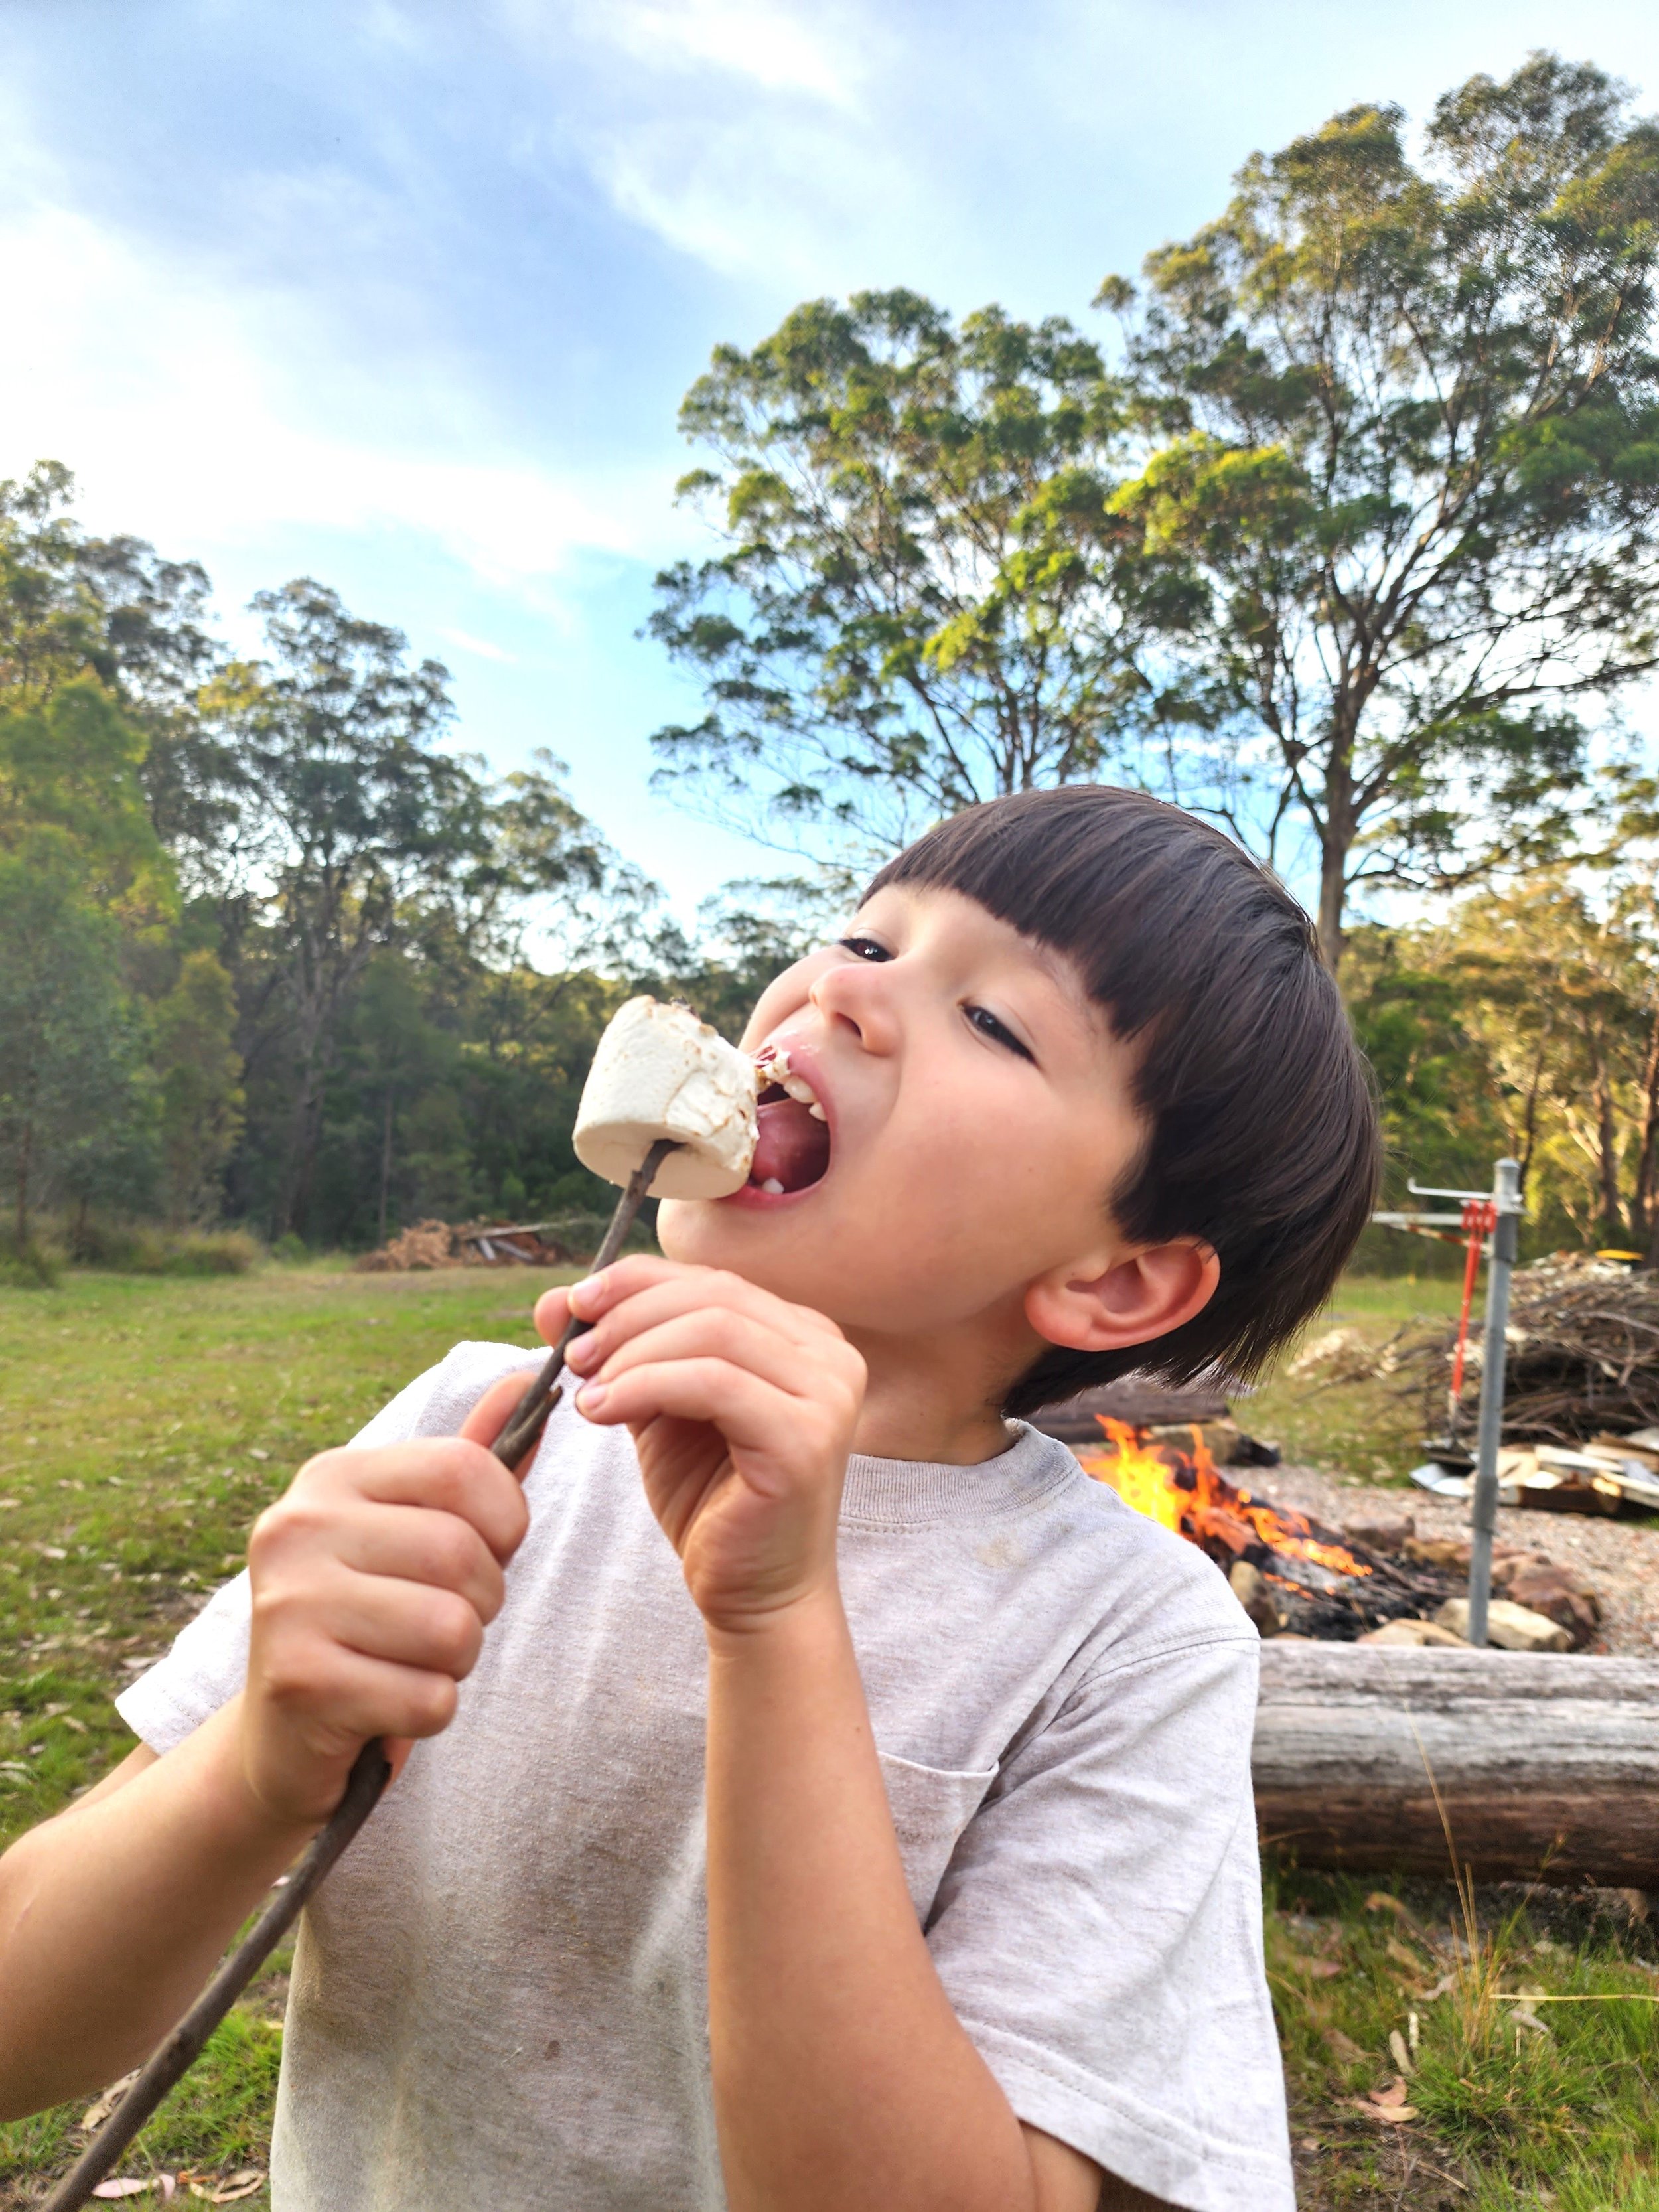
x,y
530,1415
172,2059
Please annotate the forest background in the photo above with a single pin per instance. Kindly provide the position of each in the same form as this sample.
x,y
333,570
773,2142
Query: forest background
x,y
1345,533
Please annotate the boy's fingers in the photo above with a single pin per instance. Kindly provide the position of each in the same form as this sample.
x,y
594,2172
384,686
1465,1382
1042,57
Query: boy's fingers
x,y
453,1474
751,1415
715,1333
414,1545
408,1625
621,1278
381,1696
615,1311
551,1311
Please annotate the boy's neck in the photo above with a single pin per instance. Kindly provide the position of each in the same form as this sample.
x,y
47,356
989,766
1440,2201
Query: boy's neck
x,y
927,1399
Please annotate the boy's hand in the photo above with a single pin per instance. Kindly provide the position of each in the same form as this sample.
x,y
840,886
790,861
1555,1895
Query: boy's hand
x,y
742,1409
374,1576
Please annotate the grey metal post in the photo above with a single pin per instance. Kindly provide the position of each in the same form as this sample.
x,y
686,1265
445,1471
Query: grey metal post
x,y
1482,1516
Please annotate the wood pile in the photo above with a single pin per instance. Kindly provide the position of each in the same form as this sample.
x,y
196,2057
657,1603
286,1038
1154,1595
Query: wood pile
x,y
1546,1768
1582,1360
472,1244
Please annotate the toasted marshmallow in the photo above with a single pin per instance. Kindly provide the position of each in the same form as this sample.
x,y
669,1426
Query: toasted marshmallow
x,y
659,1072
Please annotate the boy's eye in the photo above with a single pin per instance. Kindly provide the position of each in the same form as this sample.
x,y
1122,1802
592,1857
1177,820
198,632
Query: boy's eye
x,y
986,1024
864,948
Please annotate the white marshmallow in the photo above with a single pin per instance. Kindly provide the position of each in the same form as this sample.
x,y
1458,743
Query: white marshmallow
x,y
659,1072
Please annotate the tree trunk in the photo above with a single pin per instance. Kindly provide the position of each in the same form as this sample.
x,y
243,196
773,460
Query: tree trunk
x,y
1606,1147
24,1146
1547,1766
1333,898
1645,1214
386,1161
1529,1125
1337,832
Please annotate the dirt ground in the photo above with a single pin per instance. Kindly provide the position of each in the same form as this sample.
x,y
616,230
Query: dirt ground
x,y
1621,1557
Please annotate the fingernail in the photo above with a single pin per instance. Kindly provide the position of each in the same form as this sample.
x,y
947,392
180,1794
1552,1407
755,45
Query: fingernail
x,y
582,1352
584,1296
591,1397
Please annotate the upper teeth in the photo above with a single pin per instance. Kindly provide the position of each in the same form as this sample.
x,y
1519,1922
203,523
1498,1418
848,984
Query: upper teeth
x,y
772,1066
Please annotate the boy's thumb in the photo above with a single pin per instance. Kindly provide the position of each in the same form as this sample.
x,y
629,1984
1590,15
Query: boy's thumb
x,y
495,1409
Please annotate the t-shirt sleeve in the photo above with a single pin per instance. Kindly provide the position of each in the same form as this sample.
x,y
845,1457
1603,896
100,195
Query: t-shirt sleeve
x,y
1098,1931
207,1663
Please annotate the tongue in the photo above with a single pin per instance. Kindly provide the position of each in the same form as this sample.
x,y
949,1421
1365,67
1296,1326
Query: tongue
x,y
794,1147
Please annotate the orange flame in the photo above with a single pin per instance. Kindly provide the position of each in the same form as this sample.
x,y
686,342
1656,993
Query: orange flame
x,y
1205,1508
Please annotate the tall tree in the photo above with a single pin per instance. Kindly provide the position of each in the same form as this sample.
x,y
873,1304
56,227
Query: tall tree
x,y
200,1074
352,810
921,599
1406,415
71,1074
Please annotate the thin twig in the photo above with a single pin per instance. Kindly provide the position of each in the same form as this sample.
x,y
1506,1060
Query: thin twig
x,y
530,1415
173,2058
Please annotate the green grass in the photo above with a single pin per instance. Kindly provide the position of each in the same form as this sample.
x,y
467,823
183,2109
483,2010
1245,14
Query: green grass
x,y
145,1421
1358,1428
1520,2118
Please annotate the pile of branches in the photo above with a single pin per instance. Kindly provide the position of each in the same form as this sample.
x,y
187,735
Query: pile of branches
x,y
1583,1354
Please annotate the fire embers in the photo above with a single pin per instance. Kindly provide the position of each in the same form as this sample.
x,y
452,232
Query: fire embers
x,y
1315,1582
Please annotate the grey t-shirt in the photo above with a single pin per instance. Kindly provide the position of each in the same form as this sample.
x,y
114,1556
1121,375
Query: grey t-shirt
x,y
499,1997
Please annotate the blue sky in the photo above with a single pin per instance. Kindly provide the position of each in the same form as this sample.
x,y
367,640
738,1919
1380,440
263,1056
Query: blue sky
x,y
404,294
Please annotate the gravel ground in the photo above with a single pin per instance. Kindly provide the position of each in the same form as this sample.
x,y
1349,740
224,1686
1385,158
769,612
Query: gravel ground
x,y
1621,1558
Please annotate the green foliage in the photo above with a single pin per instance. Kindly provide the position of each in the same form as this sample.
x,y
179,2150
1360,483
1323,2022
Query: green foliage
x,y
201,1094
1403,432
923,599
74,1103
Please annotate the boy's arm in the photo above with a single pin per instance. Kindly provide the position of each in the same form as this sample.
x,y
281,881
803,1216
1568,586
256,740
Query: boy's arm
x,y
842,2078
374,1579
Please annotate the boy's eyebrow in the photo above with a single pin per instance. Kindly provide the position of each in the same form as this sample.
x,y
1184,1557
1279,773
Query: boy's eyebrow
x,y
1062,970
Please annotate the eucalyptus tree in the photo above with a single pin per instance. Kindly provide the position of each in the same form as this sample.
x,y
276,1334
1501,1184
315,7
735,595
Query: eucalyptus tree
x,y
1403,422
352,809
921,596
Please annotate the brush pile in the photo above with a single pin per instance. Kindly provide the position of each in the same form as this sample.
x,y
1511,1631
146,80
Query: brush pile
x,y
482,1244
1583,1354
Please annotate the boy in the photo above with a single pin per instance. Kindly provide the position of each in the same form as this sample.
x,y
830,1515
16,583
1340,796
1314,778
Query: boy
x,y
908,1861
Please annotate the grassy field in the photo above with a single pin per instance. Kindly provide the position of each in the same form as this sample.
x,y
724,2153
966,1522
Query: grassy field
x,y
143,1424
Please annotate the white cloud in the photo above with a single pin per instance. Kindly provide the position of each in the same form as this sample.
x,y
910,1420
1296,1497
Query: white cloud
x,y
204,415
480,647
779,48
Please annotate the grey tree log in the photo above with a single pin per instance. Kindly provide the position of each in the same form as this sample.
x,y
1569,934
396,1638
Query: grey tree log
x,y
1546,1765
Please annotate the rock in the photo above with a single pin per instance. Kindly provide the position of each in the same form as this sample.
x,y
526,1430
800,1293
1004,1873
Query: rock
x,y
1438,1552
1544,1585
1382,1535
1512,1627
1560,1597
1251,1590
1413,1633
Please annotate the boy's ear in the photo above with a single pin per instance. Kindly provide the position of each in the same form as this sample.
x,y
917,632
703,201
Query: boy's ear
x,y
1131,1302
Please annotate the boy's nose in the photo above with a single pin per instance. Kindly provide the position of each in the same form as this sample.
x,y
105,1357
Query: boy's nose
x,y
859,995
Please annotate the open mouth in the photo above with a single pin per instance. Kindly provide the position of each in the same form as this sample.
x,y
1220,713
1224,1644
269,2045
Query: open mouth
x,y
793,1152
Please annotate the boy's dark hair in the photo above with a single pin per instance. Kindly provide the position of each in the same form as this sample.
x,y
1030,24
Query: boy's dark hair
x,y
1263,1127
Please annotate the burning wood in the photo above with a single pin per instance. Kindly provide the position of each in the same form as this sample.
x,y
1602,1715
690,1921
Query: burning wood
x,y
1320,1582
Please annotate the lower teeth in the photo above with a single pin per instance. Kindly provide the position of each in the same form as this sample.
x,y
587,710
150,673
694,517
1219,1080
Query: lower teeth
x,y
774,1186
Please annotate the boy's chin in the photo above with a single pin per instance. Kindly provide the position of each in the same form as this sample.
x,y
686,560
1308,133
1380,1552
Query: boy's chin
x,y
704,1232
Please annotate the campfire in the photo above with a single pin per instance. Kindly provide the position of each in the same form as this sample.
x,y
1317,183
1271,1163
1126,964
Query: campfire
x,y
1320,1582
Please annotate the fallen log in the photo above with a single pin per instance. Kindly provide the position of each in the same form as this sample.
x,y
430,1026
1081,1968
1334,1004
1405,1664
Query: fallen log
x,y
1547,1766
